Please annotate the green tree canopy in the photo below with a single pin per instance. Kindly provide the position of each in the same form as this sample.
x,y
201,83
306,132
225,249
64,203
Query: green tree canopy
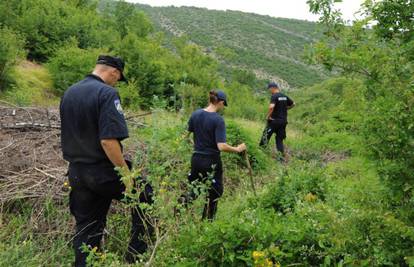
x,y
382,56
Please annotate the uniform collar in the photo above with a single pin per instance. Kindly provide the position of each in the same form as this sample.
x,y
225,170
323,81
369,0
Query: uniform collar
x,y
96,77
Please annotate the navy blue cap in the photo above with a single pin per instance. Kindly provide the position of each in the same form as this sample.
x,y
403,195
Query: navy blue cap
x,y
272,85
115,62
222,97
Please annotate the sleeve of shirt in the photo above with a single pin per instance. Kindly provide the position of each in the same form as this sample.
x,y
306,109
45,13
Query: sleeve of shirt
x,y
220,131
112,124
273,99
191,124
289,101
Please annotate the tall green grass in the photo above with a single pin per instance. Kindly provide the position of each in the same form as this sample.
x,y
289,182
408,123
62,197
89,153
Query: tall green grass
x,y
32,86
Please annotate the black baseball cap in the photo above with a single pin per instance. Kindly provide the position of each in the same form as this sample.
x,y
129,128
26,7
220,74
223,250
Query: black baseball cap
x,y
272,85
221,96
115,62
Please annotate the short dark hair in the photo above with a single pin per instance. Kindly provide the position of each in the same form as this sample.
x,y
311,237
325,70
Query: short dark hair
x,y
272,85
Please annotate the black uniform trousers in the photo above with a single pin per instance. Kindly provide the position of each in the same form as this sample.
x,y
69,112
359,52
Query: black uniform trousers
x,y
277,127
206,169
90,198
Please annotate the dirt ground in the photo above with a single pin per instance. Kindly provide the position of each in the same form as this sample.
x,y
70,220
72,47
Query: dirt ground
x,y
31,163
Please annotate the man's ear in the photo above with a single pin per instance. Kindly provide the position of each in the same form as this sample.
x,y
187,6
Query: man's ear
x,y
114,72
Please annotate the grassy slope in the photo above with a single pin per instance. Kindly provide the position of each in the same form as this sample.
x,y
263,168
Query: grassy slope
x,y
270,47
32,86
326,162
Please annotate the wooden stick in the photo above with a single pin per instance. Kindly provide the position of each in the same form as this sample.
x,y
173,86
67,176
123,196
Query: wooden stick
x,y
24,125
45,173
138,115
249,167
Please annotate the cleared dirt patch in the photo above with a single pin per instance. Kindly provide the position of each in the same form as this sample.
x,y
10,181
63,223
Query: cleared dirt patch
x,y
31,163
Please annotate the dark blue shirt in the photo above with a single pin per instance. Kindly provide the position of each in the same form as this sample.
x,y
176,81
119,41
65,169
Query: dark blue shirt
x,y
209,129
90,111
281,102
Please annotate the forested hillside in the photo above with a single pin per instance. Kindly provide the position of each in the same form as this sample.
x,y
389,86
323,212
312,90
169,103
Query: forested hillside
x,y
271,48
344,197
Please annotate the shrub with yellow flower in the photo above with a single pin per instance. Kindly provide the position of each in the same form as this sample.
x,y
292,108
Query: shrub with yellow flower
x,y
311,197
258,255
260,260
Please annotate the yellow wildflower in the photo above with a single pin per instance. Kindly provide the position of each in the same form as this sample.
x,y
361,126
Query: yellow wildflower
x,y
268,263
258,254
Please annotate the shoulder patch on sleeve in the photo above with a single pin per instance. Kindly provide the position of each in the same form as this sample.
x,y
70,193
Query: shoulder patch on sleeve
x,y
118,106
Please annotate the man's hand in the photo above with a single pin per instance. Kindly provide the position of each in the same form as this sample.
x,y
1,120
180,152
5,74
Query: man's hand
x,y
113,151
127,177
241,147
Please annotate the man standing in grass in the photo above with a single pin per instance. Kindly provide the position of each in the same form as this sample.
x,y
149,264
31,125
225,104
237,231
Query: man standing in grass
x,y
277,119
93,126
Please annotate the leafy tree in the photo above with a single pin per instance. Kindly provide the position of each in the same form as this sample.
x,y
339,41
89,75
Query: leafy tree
x,y
128,19
196,67
149,64
395,19
70,64
48,24
242,104
382,56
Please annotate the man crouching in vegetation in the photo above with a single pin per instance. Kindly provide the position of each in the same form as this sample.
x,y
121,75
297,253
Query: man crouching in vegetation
x,y
209,132
277,119
93,126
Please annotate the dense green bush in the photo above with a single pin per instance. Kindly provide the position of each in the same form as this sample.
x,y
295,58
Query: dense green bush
x,y
148,63
195,67
305,182
294,221
192,96
390,132
242,104
70,65
183,78
237,135
48,24
380,58
129,93
11,50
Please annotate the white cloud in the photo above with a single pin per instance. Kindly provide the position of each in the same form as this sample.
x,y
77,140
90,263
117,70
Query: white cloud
x,y
297,9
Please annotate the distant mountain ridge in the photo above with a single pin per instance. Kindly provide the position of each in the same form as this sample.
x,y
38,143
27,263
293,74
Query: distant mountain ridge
x,y
271,48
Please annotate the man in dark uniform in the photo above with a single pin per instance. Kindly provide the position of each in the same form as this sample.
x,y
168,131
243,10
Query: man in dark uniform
x,y
209,133
277,118
93,126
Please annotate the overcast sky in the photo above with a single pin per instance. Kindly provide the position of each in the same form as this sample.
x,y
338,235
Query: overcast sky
x,y
297,9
